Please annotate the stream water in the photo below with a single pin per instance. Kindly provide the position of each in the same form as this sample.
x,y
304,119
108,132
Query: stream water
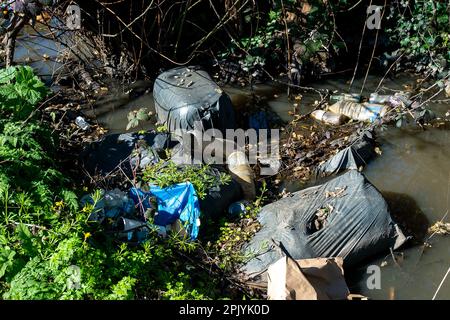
x,y
414,163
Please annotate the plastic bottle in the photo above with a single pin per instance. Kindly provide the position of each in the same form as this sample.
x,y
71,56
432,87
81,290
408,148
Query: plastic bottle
x,y
240,170
345,97
378,98
80,122
329,117
400,98
359,111
397,97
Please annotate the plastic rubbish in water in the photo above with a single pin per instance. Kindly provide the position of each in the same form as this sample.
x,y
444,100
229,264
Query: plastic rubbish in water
x,y
81,123
329,117
358,225
378,98
240,170
394,99
354,157
400,98
359,111
345,97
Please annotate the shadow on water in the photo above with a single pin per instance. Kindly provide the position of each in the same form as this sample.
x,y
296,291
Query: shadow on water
x,y
412,220
407,213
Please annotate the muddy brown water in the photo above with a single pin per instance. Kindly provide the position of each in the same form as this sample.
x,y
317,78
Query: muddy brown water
x,y
413,171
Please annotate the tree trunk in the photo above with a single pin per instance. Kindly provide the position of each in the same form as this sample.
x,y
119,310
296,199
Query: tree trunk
x,y
10,41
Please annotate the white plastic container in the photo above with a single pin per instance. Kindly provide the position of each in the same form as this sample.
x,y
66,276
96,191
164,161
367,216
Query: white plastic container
x,y
359,111
81,123
329,117
240,170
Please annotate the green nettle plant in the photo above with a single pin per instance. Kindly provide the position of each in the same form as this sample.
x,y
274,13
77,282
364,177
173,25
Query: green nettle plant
x,y
28,176
48,247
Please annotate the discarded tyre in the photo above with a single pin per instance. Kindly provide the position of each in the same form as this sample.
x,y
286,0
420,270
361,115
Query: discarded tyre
x,y
186,95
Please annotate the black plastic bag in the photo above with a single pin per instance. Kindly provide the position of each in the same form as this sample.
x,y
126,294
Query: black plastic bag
x,y
351,158
346,217
186,95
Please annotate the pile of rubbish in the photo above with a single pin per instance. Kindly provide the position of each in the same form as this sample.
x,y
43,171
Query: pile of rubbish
x,y
349,106
125,151
184,97
175,208
305,240
136,214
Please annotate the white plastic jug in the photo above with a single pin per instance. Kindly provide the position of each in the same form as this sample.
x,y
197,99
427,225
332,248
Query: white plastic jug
x,y
329,117
359,111
240,170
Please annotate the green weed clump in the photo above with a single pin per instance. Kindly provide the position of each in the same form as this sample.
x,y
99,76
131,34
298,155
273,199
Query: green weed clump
x,y
49,249
167,173
421,28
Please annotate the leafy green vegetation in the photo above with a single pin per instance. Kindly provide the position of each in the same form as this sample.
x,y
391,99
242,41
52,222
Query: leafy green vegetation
x,y
28,175
421,28
165,174
304,28
233,234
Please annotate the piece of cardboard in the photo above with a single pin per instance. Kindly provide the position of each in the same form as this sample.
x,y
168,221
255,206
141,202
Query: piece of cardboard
x,y
307,279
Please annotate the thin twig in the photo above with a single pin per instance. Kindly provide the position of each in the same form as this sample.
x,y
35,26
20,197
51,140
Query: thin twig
x,y
440,285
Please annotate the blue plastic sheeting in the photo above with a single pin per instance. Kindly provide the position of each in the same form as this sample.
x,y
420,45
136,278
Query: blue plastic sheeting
x,y
179,201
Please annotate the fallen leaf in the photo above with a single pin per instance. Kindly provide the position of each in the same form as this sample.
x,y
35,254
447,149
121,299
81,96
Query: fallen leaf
x,y
306,8
378,151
